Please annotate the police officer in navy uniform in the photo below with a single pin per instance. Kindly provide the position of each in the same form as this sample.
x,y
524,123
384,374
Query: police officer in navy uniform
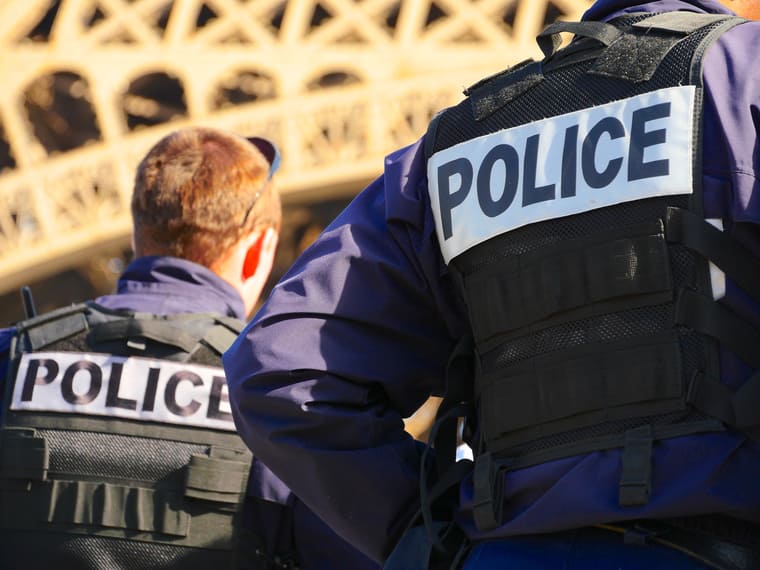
x,y
118,448
569,257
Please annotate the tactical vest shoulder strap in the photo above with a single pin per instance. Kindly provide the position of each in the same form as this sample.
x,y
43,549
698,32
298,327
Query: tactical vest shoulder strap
x,y
623,57
44,330
220,336
549,39
132,328
187,332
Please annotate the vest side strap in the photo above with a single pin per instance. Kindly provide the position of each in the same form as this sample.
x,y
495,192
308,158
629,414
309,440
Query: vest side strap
x,y
459,375
737,409
731,256
487,492
713,319
636,472
747,404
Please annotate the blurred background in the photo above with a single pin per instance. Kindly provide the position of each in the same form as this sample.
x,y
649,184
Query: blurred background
x,y
89,85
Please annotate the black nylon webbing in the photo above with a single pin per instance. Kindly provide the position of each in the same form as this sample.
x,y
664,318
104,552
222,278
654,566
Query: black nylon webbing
x,y
747,405
219,338
636,471
214,479
23,455
493,95
66,323
235,325
490,466
50,316
443,437
605,442
447,476
526,289
459,373
549,39
713,319
487,503
593,380
116,506
740,408
712,397
160,331
731,256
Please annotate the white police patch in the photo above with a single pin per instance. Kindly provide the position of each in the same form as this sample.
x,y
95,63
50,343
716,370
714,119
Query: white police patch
x,y
132,388
636,148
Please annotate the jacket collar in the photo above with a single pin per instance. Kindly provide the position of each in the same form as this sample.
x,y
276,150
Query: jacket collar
x,y
607,9
169,285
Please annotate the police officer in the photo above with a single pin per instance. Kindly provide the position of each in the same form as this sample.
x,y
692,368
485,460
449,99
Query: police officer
x,y
569,256
118,448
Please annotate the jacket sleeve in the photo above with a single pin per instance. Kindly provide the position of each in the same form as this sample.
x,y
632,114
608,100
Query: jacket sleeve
x,y
731,157
276,522
352,340
731,161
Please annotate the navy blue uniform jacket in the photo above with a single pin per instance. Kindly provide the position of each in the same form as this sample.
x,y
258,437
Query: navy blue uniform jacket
x,y
357,334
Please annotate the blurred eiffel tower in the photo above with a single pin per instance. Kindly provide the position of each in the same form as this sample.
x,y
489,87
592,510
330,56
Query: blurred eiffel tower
x,y
90,85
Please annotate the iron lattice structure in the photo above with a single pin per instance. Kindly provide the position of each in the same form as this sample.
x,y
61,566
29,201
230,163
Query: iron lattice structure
x,y
90,85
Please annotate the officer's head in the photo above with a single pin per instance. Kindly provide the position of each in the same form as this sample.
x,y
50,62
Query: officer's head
x,y
207,196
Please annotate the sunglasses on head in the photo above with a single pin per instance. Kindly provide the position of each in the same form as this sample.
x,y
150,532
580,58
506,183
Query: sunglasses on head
x,y
270,152
272,155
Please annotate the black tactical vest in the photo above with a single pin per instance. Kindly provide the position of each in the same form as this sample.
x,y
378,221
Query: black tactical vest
x,y
117,447
592,311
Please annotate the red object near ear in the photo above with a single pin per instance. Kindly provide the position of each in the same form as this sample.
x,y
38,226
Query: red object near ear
x,y
253,255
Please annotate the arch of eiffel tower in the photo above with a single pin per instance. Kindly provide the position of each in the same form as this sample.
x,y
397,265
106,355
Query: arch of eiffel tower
x,y
90,85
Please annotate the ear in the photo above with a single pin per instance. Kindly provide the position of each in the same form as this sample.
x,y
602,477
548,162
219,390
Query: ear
x,y
260,253
257,265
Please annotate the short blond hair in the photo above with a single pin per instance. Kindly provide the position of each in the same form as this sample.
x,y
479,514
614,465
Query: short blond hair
x,y
198,191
